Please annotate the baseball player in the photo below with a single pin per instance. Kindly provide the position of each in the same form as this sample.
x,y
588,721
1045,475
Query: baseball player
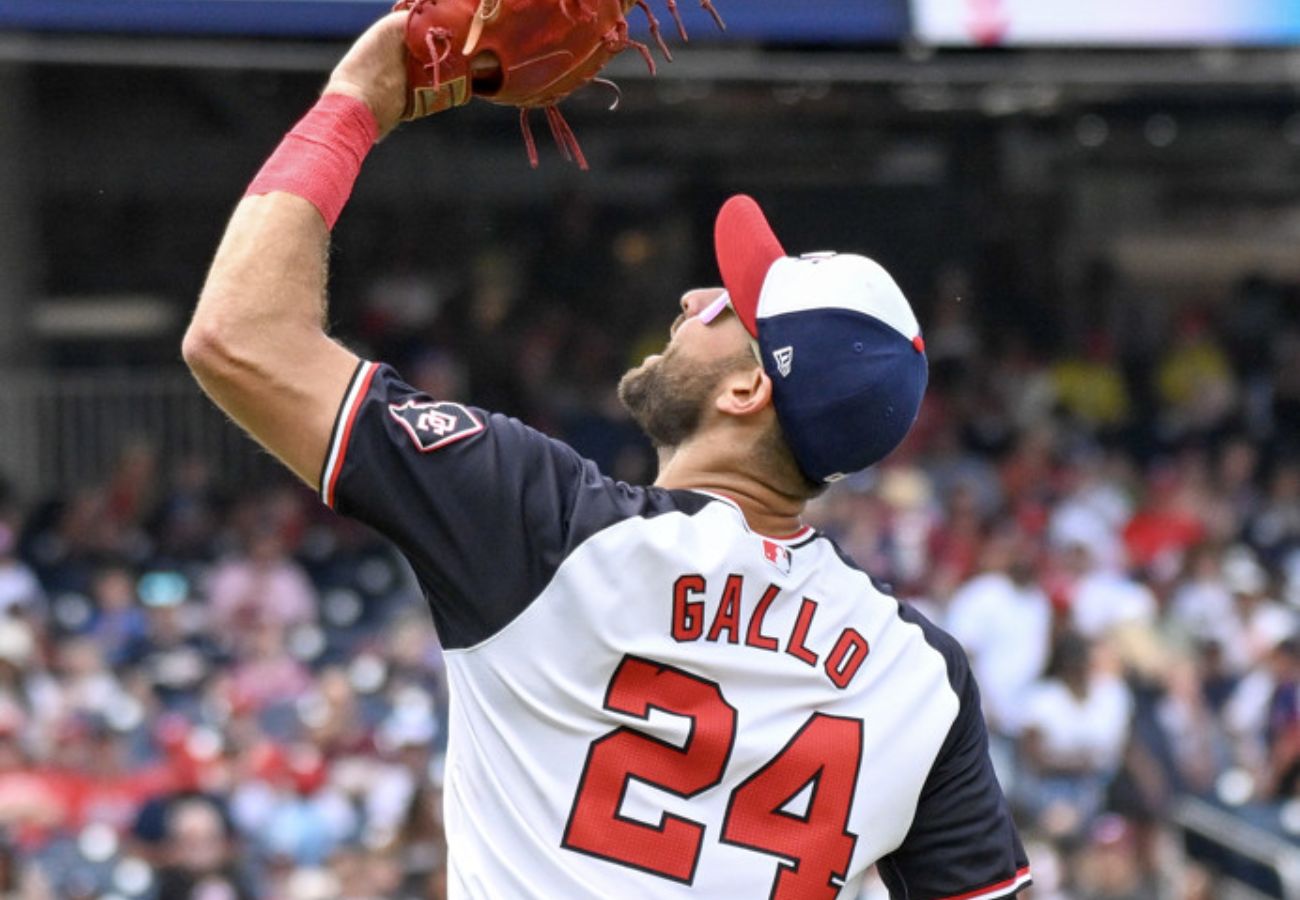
x,y
667,691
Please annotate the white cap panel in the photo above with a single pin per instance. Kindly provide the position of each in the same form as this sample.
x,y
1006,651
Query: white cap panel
x,y
846,280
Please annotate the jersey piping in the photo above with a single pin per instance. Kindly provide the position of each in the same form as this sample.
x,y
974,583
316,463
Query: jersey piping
x,y
1001,889
342,431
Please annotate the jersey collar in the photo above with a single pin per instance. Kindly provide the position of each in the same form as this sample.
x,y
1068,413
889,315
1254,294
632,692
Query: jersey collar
x,y
798,537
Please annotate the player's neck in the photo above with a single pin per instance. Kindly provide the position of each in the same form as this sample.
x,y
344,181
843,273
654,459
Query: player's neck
x,y
766,509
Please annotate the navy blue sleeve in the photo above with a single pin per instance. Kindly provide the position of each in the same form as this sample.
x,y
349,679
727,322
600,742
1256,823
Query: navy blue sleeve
x,y
485,508
962,843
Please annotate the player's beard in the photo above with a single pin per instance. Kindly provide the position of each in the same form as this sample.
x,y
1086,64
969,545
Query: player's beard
x,y
667,397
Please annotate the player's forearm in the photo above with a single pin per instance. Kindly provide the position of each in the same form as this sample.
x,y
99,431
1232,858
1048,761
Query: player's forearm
x,y
267,281
260,315
256,343
264,295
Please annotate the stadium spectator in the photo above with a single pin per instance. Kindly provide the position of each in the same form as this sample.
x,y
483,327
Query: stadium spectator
x,y
1090,387
117,622
19,587
24,683
1282,731
129,495
1197,385
173,655
188,515
1166,525
1274,529
292,811
262,587
1261,622
1202,607
200,857
1076,723
1004,621
264,673
1102,600
1109,866
1285,386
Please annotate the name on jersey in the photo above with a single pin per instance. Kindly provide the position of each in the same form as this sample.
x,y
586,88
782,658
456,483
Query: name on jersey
x,y
739,617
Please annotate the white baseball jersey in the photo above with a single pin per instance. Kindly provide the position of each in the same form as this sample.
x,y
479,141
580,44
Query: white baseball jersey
x,y
648,699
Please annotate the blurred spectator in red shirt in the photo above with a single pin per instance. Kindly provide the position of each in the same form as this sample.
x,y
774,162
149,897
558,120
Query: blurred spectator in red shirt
x,y
1165,527
131,487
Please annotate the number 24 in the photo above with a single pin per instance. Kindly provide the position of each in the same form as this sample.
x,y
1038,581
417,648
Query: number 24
x,y
825,752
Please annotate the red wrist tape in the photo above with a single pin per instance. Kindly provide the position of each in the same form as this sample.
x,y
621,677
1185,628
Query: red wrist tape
x,y
320,157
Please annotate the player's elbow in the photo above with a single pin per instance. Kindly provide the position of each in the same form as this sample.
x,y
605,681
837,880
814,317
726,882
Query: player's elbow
x,y
207,350
199,346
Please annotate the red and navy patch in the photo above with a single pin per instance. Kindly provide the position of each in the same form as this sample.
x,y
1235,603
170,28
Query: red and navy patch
x,y
433,425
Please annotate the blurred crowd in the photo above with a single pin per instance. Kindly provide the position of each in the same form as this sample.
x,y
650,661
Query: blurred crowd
x,y
224,691
212,696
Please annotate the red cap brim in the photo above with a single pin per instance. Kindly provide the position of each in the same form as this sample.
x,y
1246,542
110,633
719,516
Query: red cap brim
x,y
746,249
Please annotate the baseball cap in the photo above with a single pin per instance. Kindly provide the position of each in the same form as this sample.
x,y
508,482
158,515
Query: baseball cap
x,y
836,336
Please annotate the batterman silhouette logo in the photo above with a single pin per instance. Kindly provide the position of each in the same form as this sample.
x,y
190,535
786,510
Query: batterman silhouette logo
x,y
778,556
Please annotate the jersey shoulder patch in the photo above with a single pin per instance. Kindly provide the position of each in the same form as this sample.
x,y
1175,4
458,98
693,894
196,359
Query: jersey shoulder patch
x,y
433,425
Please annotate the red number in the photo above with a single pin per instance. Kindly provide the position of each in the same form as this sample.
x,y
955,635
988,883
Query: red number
x,y
823,757
825,754
595,825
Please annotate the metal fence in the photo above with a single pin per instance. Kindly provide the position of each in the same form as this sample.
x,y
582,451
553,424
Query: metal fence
x,y
62,431
1254,860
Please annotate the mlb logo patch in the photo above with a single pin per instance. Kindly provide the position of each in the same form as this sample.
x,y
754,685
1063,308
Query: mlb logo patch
x,y
433,425
778,556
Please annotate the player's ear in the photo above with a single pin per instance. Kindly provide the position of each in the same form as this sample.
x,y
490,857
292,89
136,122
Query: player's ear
x,y
744,392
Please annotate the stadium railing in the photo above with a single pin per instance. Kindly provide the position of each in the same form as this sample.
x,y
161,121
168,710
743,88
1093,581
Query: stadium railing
x,y
62,431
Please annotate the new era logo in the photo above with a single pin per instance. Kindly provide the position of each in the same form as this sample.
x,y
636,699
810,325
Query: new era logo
x,y
433,425
784,360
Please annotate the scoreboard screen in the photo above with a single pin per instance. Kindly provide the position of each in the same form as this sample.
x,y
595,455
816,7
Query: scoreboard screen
x,y
1100,23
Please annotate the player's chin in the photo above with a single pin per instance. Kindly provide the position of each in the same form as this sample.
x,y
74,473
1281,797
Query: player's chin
x,y
635,385
646,365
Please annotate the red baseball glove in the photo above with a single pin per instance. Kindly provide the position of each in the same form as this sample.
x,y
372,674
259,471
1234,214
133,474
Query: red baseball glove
x,y
524,53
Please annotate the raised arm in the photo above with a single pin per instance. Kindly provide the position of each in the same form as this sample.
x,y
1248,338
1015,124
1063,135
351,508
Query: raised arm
x,y
257,343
